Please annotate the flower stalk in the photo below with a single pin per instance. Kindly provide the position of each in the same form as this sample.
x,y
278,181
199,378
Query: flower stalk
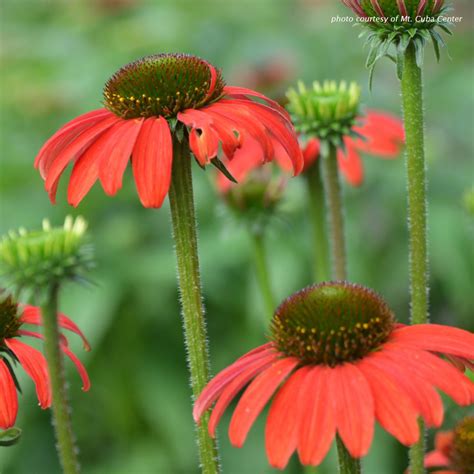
x,y
185,237
263,276
66,447
412,98
318,222
333,197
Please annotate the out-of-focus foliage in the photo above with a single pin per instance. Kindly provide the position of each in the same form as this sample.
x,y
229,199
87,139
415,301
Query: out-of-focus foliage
x,y
56,56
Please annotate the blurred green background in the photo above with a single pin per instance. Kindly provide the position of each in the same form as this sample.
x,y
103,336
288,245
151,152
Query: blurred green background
x,y
56,56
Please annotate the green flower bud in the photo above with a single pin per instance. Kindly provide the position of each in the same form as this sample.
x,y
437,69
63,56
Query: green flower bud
x,y
34,259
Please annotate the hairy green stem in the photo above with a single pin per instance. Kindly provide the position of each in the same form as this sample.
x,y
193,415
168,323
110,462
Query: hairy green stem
x,y
333,196
263,277
412,98
335,213
185,237
66,448
318,222
347,464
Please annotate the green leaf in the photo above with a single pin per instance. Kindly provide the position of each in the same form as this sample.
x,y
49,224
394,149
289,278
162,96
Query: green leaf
x,y
419,48
10,437
445,29
372,57
435,42
221,167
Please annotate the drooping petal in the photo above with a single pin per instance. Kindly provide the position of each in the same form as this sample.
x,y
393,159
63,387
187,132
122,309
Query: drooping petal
x,y
86,384
393,408
318,425
444,440
311,152
32,315
437,338
376,6
112,168
436,459
227,131
73,150
421,6
284,419
152,161
234,387
8,398
383,135
422,394
245,123
215,387
350,164
34,364
203,139
255,397
276,125
353,407
355,5
87,168
402,7
433,369
65,135
242,91
23,332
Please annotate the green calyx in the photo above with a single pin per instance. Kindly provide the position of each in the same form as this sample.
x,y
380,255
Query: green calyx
x,y
331,323
462,452
326,111
34,259
162,85
394,33
257,199
9,317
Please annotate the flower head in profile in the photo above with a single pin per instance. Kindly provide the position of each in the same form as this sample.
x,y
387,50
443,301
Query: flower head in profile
x,y
13,350
32,259
337,362
149,105
454,450
400,23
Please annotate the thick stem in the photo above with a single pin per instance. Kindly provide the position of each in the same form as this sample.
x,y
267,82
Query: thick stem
x,y
263,276
347,464
333,197
185,236
412,97
318,223
60,407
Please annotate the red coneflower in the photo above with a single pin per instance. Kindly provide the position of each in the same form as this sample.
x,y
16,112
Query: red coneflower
x,y
338,362
454,450
12,317
148,104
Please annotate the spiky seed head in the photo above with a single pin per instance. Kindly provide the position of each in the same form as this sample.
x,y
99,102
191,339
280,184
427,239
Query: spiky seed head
x,y
331,323
162,85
